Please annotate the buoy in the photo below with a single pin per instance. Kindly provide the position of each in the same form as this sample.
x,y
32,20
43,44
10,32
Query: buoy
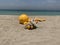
x,y
23,18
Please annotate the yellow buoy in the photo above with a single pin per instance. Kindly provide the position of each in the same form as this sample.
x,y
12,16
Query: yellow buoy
x,y
23,18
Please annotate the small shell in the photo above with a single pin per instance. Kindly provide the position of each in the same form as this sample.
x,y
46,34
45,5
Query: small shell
x,y
32,27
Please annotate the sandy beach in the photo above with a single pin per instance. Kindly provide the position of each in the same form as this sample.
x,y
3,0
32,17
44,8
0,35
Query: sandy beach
x,y
13,33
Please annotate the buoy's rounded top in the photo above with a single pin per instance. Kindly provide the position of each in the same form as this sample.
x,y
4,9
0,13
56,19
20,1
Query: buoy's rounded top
x,y
23,18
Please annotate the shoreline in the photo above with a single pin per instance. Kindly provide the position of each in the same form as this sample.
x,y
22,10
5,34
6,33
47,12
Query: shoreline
x,y
27,14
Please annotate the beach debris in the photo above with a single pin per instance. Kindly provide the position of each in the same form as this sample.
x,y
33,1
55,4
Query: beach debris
x,y
39,20
28,22
30,26
23,18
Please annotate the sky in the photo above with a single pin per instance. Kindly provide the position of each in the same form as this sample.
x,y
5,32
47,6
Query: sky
x,y
30,4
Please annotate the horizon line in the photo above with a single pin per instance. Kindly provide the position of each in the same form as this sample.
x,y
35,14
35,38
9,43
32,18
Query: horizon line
x,y
27,10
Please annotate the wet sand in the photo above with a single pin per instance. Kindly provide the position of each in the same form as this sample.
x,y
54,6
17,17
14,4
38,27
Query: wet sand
x,y
13,33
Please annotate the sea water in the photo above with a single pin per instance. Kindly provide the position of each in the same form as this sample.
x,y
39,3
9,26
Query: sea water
x,y
18,12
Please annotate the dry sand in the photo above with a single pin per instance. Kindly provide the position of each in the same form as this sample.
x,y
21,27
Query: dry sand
x,y
12,33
